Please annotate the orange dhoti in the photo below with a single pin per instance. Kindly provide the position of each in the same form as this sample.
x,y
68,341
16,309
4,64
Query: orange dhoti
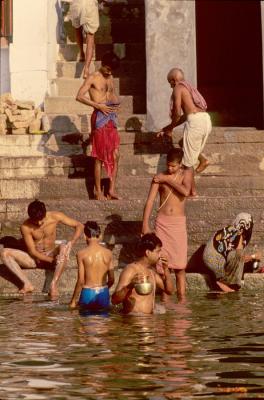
x,y
172,232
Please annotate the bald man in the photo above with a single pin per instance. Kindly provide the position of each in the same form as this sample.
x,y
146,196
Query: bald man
x,y
188,106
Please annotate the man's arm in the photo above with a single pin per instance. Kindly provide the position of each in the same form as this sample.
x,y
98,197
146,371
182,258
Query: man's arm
x,y
124,287
110,273
148,207
79,283
177,117
64,219
165,282
183,188
31,247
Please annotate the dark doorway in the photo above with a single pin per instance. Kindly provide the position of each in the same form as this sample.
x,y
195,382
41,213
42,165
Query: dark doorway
x,y
229,60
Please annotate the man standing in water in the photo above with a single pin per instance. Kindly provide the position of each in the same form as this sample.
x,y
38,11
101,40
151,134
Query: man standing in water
x,y
41,250
143,270
185,98
170,224
105,138
95,272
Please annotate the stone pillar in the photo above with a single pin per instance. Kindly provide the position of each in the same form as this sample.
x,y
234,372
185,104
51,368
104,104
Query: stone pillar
x,y
262,31
170,42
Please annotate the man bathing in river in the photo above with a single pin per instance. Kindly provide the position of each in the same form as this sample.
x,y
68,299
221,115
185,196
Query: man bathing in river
x,y
185,98
170,225
95,272
105,138
141,271
39,240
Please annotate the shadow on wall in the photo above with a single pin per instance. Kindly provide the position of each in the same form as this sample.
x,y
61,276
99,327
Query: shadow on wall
x,y
122,235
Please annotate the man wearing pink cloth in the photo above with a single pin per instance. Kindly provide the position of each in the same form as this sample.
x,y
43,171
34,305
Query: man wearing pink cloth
x,y
105,137
170,224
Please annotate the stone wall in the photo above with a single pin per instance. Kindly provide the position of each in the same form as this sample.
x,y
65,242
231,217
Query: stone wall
x,y
170,42
34,49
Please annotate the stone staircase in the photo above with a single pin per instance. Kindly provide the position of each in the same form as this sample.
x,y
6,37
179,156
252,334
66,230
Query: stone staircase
x,y
67,115
55,167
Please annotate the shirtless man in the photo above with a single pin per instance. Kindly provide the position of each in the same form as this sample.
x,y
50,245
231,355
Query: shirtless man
x,y
85,19
95,272
125,292
105,138
185,98
170,224
39,237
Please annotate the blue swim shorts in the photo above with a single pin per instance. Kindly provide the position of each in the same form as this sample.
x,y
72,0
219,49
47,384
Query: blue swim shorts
x,y
96,298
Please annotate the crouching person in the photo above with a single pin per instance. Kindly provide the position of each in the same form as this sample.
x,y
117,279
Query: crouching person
x,y
95,272
40,246
138,281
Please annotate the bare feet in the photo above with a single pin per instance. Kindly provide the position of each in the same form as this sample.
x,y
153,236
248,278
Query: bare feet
x,y
53,292
203,164
26,289
113,196
224,287
99,196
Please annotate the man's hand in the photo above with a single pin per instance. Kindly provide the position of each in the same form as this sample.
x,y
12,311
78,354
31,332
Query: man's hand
x,y
160,178
163,132
106,109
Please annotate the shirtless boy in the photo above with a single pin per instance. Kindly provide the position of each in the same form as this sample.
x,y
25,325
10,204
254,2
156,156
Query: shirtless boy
x,y
39,238
125,292
170,224
95,272
105,137
185,98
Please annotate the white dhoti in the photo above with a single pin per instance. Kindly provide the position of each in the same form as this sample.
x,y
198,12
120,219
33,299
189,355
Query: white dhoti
x,y
85,13
196,130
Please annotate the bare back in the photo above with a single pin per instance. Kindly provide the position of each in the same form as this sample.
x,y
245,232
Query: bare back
x,y
182,99
97,262
171,201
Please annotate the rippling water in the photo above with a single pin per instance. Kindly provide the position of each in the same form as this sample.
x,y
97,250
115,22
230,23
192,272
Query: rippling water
x,y
212,347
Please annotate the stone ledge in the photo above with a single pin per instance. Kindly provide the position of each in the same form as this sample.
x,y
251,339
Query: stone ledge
x,y
41,280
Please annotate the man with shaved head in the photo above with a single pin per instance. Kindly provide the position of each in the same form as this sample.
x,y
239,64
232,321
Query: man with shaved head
x,y
189,106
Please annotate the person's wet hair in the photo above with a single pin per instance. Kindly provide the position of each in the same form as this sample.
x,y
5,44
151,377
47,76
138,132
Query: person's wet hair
x,y
37,210
109,59
92,229
149,241
175,154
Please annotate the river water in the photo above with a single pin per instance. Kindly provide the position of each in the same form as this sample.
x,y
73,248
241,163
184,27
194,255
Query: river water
x,y
212,347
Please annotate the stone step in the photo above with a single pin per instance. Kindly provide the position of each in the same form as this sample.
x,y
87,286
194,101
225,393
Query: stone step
x,y
41,281
123,86
73,69
46,186
132,51
72,123
68,105
201,212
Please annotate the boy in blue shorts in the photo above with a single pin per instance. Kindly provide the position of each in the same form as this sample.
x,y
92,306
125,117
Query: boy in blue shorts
x,y
95,272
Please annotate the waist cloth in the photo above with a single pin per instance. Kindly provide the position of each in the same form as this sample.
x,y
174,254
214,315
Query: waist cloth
x,y
172,232
105,139
85,13
95,298
195,133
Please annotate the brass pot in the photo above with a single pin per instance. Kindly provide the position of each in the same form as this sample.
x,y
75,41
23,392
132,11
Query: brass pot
x,y
143,288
